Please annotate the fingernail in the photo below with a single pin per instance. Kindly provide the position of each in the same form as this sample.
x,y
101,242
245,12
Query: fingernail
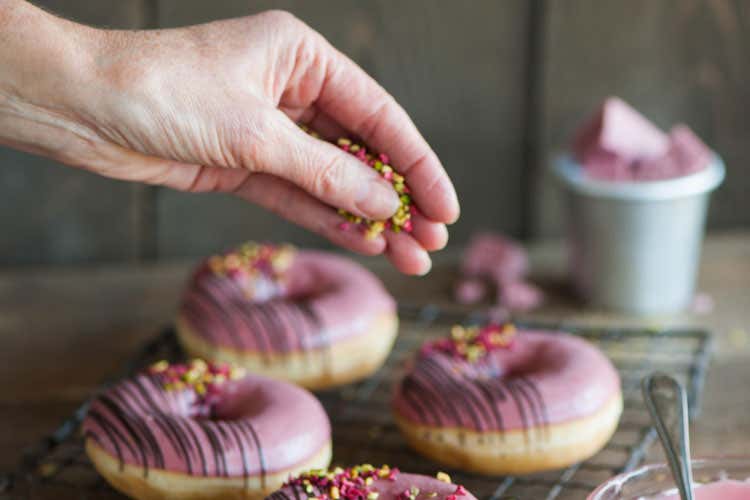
x,y
426,265
453,200
376,199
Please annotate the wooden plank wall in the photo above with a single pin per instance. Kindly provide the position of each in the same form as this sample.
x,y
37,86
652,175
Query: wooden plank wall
x,y
495,86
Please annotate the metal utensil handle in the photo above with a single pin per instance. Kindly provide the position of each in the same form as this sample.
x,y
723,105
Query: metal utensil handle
x,y
655,387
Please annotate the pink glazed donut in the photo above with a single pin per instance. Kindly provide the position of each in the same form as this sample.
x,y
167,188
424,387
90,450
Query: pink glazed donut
x,y
365,482
204,431
312,318
496,401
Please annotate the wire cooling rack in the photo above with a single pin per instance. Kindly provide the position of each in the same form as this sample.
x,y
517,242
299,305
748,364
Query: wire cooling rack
x,y
363,429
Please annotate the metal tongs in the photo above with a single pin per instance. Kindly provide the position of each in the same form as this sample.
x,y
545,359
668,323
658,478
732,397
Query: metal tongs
x,y
666,400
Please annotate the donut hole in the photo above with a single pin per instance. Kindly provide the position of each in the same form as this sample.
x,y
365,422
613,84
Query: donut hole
x,y
239,402
533,358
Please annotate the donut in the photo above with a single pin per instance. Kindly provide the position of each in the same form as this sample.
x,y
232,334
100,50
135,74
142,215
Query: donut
x,y
205,431
312,318
365,482
495,400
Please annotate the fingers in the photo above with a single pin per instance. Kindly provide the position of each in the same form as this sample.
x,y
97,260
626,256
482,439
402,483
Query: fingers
x,y
431,235
406,254
323,170
354,100
318,121
292,203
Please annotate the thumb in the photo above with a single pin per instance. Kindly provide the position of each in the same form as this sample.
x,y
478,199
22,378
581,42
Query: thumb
x,y
323,170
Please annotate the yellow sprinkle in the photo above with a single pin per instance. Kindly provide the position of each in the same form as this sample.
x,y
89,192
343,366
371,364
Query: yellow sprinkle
x,y
237,372
442,476
47,469
338,470
458,332
160,366
354,148
344,142
368,481
432,494
199,364
334,493
216,263
372,495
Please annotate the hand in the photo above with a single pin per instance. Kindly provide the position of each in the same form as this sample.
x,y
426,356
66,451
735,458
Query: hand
x,y
214,108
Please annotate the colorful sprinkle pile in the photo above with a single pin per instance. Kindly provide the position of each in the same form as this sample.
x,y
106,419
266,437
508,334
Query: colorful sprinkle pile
x,y
251,260
358,483
202,377
472,343
401,220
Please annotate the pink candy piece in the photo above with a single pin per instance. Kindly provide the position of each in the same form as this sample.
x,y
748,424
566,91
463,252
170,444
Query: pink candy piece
x,y
494,260
470,291
619,144
521,296
619,130
494,257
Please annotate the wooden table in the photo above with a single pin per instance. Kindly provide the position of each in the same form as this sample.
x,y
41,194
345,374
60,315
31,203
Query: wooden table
x,y
65,330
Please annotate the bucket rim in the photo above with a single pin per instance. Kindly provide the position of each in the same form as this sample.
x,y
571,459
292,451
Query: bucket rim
x,y
569,171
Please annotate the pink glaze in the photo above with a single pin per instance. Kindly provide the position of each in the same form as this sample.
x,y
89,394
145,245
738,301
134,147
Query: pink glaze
x,y
619,144
721,490
390,489
541,378
321,299
259,426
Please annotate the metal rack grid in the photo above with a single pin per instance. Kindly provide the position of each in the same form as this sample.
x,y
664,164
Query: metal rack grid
x,y
363,430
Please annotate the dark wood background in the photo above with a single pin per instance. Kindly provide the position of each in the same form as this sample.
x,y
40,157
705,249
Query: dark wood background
x,y
496,87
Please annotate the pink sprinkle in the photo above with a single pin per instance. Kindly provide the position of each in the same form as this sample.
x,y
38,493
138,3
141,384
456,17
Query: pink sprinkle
x,y
344,226
460,490
361,154
345,147
384,158
408,226
388,176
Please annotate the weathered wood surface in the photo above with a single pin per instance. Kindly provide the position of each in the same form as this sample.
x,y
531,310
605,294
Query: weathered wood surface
x,y
677,61
66,330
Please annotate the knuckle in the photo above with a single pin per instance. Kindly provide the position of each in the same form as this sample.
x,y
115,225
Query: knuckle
x,y
282,18
328,178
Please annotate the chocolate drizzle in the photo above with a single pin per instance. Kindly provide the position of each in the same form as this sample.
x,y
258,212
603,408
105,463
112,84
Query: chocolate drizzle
x,y
132,417
216,309
441,388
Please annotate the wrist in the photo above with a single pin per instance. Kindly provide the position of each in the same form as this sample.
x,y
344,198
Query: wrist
x,y
46,65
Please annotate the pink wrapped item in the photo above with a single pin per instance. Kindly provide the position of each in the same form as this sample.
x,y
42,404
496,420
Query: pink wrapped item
x,y
619,144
